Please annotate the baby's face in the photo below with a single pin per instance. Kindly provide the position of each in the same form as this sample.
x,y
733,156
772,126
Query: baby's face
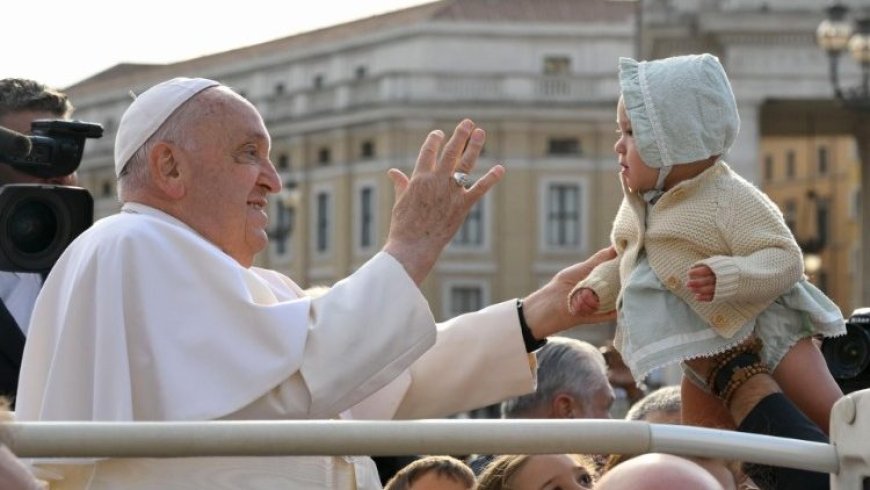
x,y
636,175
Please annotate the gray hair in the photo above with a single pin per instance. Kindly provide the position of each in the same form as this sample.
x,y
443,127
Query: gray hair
x,y
665,399
565,365
176,129
22,94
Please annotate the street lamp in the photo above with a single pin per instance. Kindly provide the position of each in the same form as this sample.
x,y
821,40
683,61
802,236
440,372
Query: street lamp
x,y
835,35
287,201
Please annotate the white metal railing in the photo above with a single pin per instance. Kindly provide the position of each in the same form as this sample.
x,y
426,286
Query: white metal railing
x,y
354,437
847,459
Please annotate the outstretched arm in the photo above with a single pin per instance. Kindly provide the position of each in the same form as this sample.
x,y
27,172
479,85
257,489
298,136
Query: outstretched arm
x,y
546,309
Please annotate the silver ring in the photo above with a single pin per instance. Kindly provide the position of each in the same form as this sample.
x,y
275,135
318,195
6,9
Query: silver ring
x,y
462,179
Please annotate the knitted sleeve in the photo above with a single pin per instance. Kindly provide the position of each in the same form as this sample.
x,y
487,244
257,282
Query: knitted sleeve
x,y
604,280
765,259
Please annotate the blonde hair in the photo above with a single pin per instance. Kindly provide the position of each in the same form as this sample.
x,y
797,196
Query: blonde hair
x,y
499,474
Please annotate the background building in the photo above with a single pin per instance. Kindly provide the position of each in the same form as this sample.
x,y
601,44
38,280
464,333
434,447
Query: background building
x,y
346,103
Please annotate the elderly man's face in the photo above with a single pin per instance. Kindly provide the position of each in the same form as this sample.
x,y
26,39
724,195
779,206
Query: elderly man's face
x,y
600,403
231,176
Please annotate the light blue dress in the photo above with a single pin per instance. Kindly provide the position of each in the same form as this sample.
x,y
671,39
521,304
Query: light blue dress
x,y
656,328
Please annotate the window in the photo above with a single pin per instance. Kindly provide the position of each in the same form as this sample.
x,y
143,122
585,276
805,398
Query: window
x,y
768,168
789,212
279,88
563,215
322,222
822,164
789,164
108,189
563,146
823,215
464,299
557,65
367,150
283,226
471,232
360,72
283,161
324,156
367,217
317,82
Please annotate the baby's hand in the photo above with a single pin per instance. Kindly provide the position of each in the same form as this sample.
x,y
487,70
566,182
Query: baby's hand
x,y
702,282
584,301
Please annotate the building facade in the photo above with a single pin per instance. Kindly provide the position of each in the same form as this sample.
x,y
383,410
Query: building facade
x,y
346,103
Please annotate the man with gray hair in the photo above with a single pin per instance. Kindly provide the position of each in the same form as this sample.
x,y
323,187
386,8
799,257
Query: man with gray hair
x,y
572,383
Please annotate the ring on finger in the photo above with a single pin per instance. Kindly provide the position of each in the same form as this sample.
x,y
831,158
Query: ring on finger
x,y
462,179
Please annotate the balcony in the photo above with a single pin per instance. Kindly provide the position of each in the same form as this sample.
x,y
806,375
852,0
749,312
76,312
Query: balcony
x,y
436,88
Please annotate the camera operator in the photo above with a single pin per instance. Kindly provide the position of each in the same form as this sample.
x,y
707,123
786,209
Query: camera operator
x,y
21,102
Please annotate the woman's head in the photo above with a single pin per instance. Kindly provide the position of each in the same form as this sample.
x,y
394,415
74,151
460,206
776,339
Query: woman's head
x,y
539,472
680,110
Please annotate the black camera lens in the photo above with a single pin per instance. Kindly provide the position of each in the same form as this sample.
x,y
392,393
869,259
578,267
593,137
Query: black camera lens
x,y
32,227
849,355
37,222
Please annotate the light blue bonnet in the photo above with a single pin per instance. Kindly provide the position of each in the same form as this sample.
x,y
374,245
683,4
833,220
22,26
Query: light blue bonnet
x,y
681,109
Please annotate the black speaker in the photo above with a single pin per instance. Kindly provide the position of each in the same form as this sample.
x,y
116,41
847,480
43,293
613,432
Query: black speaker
x,y
38,222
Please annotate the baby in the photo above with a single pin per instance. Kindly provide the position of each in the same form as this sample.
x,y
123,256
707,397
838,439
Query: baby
x,y
705,259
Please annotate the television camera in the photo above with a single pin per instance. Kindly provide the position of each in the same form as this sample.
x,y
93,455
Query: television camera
x,y
38,221
848,356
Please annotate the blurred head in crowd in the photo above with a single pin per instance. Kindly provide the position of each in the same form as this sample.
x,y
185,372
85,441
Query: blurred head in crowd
x,y
23,101
572,383
539,471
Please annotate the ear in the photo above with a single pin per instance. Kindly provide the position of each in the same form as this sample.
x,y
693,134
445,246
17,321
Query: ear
x,y
165,163
565,406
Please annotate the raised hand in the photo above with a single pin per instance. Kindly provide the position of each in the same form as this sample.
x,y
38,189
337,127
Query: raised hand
x,y
431,205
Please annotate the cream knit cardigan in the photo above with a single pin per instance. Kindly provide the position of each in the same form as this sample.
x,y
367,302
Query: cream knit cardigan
x,y
717,219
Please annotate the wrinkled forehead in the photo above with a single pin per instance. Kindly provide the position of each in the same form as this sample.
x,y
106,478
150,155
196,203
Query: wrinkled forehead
x,y
222,108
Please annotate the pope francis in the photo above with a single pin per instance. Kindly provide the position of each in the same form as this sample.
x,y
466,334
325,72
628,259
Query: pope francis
x,y
158,314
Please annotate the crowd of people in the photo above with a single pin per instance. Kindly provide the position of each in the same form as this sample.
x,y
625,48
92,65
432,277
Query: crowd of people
x,y
158,313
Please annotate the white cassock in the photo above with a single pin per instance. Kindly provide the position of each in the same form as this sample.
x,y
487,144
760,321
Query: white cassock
x,y
142,319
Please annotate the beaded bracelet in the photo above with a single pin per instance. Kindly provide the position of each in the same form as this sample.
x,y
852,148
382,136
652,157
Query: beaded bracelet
x,y
722,359
741,376
735,371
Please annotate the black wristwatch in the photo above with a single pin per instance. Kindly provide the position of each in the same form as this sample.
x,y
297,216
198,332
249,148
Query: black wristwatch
x,y
532,344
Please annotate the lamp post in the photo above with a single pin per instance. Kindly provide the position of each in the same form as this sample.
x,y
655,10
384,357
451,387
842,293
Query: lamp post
x,y
288,199
835,35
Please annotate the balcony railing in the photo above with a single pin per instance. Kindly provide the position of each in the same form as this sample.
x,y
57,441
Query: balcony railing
x,y
439,88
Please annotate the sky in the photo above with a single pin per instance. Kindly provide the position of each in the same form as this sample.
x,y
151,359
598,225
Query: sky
x,y
62,42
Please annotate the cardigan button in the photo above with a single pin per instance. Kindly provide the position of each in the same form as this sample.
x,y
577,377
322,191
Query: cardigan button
x,y
673,282
718,321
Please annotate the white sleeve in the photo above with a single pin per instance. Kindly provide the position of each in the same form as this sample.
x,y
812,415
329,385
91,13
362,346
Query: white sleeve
x,y
364,332
478,359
